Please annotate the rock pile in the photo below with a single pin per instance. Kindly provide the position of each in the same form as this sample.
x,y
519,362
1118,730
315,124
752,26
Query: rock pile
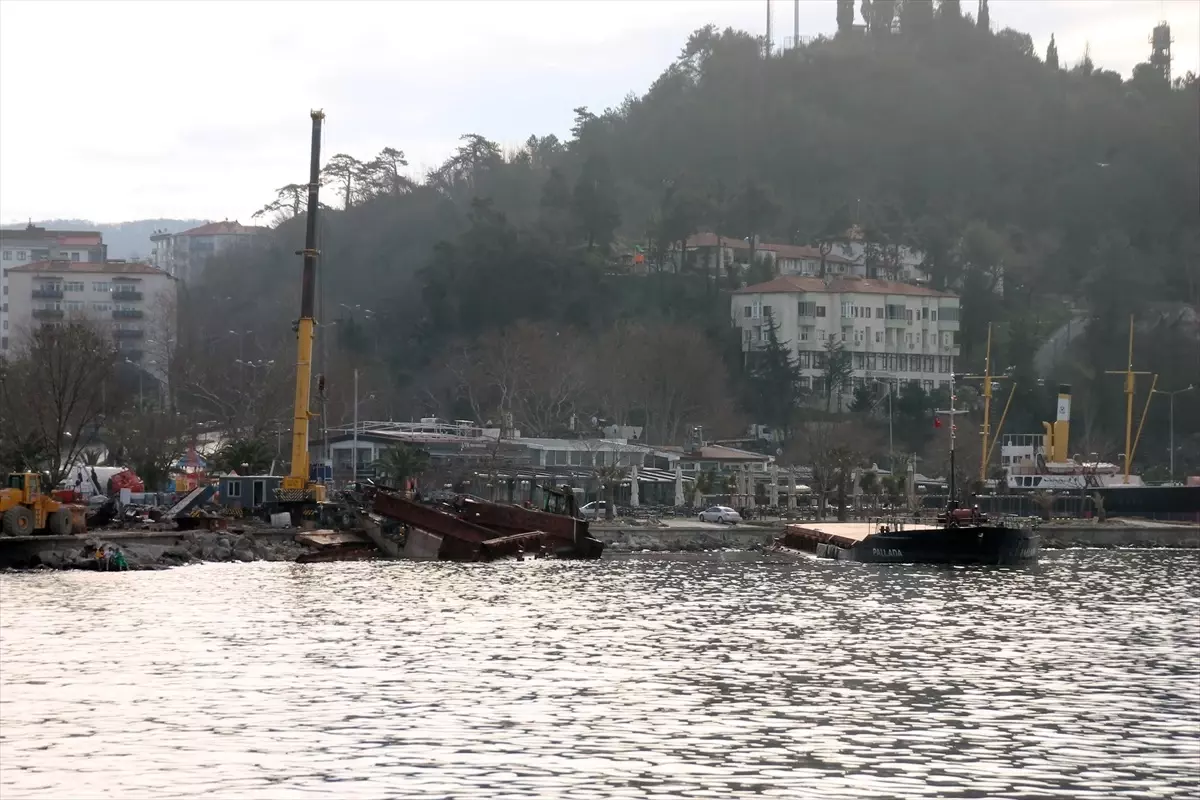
x,y
192,547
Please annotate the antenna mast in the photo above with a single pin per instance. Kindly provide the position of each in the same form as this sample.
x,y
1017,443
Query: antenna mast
x,y
768,44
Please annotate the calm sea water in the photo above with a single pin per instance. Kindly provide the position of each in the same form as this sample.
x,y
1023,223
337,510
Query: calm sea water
x,y
714,675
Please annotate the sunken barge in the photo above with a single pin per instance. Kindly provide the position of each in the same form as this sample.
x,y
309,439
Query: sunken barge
x,y
965,537
460,528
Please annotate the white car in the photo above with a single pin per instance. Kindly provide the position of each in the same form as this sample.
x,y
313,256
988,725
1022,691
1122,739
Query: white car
x,y
592,510
721,514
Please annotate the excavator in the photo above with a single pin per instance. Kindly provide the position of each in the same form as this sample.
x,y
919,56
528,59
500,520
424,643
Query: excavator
x,y
298,491
24,510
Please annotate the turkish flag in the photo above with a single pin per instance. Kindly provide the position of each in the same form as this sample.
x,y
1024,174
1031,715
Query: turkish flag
x,y
937,422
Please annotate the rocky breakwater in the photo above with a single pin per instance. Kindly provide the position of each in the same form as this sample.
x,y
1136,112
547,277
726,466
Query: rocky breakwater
x,y
97,552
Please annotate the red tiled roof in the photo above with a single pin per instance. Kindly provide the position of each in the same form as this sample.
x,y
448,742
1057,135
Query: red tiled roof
x,y
80,240
795,283
780,250
223,228
119,267
35,232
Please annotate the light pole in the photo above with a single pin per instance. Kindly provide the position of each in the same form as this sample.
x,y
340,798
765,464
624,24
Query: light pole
x,y
354,458
1171,419
139,372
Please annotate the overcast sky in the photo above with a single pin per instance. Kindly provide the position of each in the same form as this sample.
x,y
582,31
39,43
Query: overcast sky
x,y
115,111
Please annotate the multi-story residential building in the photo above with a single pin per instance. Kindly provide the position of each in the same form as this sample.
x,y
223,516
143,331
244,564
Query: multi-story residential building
x,y
184,255
895,333
135,301
21,246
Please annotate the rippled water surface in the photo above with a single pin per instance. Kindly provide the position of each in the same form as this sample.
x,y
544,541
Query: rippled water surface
x,y
715,675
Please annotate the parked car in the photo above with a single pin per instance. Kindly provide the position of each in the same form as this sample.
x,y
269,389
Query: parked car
x,y
593,510
721,514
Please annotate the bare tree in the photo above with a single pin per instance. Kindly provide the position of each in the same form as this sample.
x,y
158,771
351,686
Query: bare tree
x,y
833,450
62,374
342,171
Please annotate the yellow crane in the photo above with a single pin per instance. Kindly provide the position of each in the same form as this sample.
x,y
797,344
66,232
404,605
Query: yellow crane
x,y
298,486
985,429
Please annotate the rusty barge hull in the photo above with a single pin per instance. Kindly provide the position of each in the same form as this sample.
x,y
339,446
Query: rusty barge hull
x,y
984,544
476,530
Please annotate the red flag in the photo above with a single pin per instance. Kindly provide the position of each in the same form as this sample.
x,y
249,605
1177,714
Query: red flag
x,y
937,422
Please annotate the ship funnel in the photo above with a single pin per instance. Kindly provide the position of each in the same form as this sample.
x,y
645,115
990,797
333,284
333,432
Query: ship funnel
x,y
1056,447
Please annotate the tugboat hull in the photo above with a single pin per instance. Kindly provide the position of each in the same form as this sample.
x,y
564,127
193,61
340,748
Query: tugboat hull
x,y
977,544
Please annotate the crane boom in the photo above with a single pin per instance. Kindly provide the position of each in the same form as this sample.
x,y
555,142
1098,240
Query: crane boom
x,y
297,486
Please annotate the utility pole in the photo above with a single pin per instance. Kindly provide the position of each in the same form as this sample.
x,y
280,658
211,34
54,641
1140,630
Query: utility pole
x,y
952,412
986,428
1129,374
796,26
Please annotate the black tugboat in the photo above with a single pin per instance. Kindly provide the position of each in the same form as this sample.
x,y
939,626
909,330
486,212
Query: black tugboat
x,y
959,536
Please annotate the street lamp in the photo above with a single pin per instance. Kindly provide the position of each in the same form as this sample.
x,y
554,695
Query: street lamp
x,y
1171,417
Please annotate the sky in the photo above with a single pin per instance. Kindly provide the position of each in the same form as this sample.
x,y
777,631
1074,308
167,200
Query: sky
x,y
116,111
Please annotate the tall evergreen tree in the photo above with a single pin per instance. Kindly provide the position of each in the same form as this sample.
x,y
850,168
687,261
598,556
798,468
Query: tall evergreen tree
x,y
595,202
916,16
950,9
985,19
774,384
1052,54
845,16
883,14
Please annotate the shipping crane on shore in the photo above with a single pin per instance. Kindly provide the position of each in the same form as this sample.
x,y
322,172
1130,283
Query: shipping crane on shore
x,y
298,488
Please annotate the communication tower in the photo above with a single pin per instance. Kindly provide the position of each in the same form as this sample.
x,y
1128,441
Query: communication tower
x,y
1160,49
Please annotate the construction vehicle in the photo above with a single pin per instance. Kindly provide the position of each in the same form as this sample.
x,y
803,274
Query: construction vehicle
x,y
24,510
297,489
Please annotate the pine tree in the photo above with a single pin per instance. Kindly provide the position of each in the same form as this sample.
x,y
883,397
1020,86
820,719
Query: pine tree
x,y
845,16
985,19
950,9
1052,54
775,381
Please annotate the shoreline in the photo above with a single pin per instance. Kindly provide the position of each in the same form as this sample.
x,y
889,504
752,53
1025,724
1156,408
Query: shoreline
x,y
154,550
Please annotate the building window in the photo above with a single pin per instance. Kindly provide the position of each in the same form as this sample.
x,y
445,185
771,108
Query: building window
x,y
806,308
8,255
74,305
746,312
933,315
928,360
766,311
924,313
804,359
102,307
878,337
75,256
235,489
895,312
101,286
73,286
821,335
820,311
908,314
847,308
20,255
879,313
949,313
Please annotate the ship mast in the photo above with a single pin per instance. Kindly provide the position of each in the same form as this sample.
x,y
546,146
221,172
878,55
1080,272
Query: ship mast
x,y
985,429
1130,380
952,411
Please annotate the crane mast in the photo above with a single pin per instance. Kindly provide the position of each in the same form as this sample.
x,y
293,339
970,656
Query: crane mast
x,y
297,485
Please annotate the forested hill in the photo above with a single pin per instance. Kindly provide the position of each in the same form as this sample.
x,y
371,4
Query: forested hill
x,y
1032,187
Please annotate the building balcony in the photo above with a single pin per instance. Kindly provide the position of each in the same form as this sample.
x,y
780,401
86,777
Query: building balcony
x,y
949,349
896,323
132,355
128,333
947,324
48,313
48,294
126,295
127,313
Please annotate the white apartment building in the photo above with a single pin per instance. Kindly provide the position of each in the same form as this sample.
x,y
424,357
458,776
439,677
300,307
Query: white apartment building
x,y
896,333
184,255
136,301
848,257
21,246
